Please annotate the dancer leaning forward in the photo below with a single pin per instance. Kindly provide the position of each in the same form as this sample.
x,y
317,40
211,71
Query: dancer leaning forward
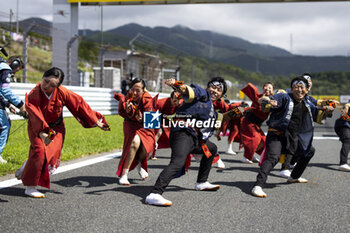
x,y
191,135
290,131
46,129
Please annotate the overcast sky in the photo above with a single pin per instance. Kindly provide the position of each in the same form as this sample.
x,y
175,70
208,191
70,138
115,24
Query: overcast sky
x,y
314,28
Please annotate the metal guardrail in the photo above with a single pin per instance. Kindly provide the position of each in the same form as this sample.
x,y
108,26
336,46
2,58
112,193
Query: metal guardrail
x,y
99,99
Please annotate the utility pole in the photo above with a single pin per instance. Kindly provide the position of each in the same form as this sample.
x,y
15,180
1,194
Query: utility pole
x,y
69,58
102,76
24,52
11,14
17,18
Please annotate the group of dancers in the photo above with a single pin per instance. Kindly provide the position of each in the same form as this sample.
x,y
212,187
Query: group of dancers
x,y
196,115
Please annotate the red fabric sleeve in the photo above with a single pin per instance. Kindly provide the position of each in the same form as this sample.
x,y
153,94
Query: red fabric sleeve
x,y
146,102
252,92
36,117
235,105
80,109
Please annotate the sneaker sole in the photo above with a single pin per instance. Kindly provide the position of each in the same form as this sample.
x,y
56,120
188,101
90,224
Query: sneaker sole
x,y
43,196
210,189
343,170
164,205
300,182
125,184
262,196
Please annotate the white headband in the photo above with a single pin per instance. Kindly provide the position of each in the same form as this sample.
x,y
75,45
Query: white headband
x,y
216,83
307,77
296,82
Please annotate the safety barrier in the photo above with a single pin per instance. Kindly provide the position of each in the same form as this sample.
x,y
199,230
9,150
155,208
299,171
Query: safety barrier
x,y
99,99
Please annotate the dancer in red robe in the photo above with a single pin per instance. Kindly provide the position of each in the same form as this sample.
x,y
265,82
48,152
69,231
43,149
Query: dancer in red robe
x,y
223,107
167,106
138,141
46,129
252,137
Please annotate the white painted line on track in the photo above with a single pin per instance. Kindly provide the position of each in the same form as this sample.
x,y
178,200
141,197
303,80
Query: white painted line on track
x,y
13,182
326,138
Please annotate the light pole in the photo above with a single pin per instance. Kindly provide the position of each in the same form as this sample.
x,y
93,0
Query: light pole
x,y
69,58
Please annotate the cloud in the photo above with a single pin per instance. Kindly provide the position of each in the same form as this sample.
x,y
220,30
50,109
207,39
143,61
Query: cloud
x,y
313,28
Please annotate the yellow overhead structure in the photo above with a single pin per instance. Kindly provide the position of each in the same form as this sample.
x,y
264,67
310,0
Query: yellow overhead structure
x,y
155,2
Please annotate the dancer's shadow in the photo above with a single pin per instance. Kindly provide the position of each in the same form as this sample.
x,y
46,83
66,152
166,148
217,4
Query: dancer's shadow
x,y
329,166
138,190
246,186
87,181
19,192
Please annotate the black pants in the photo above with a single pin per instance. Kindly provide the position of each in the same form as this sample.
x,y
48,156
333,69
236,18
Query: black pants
x,y
275,145
344,135
183,143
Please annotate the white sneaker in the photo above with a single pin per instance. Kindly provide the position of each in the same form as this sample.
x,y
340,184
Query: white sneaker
x,y
19,171
206,186
255,159
220,164
123,180
2,161
258,192
142,172
33,192
245,160
230,151
344,167
157,199
299,180
285,173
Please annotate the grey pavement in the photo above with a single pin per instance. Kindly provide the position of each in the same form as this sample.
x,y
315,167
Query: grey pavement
x,y
89,199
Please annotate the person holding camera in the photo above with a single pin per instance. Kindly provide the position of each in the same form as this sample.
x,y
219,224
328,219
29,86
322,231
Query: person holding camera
x,y
8,98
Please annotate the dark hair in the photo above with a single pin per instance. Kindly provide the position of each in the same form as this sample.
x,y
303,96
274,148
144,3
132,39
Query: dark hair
x,y
137,80
299,78
267,83
307,74
172,94
15,62
220,80
56,72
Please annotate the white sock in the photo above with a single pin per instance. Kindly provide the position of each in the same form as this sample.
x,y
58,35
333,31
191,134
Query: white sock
x,y
125,172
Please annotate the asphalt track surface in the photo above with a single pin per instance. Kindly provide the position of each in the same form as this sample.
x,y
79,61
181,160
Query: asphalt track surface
x,y
89,199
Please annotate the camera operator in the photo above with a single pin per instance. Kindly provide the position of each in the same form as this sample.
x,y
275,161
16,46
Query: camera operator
x,y
7,70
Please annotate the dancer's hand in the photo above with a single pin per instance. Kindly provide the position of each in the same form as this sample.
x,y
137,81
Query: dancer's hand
x,y
12,109
45,137
170,82
129,106
103,126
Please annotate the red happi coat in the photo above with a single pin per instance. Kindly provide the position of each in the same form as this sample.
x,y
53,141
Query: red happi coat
x,y
167,109
233,124
131,127
42,113
251,134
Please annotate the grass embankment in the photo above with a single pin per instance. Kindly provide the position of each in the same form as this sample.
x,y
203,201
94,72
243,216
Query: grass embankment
x,y
79,141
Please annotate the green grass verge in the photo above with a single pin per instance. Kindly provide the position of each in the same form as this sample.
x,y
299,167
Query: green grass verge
x,y
79,141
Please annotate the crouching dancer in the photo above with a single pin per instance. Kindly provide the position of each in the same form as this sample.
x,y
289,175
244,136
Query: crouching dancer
x,y
46,129
290,131
190,135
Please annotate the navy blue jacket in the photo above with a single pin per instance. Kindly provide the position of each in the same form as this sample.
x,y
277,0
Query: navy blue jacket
x,y
199,107
281,115
341,123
